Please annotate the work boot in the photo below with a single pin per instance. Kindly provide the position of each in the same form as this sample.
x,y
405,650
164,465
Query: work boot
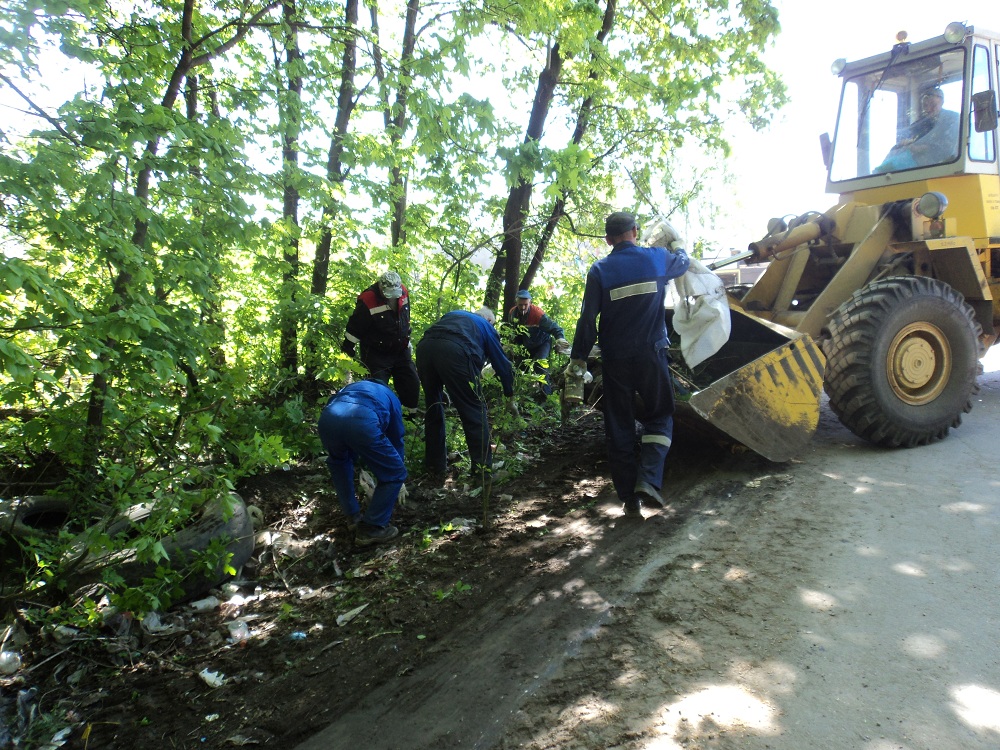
x,y
368,535
632,509
649,495
436,476
353,521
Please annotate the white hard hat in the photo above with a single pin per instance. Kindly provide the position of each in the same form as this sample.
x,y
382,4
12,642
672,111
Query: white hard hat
x,y
391,285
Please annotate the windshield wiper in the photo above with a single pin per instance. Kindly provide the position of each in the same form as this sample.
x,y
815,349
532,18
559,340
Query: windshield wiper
x,y
897,49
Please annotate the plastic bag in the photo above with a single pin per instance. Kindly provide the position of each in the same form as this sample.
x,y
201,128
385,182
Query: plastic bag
x,y
701,313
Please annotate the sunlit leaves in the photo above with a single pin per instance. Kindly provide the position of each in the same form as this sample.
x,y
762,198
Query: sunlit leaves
x,y
149,224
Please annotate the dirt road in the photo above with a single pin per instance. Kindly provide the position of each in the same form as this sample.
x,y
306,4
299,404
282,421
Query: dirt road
x,y
845,600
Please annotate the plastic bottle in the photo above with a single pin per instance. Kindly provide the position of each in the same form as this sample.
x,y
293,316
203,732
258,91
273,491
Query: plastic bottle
x,y
573,389
238,631
10,662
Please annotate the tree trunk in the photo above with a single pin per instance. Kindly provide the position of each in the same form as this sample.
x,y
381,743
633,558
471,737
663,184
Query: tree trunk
x,y
582,120
398,177
334,164
290,123
519,198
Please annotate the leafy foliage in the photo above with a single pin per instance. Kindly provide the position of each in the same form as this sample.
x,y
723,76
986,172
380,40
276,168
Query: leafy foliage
x,y
219,180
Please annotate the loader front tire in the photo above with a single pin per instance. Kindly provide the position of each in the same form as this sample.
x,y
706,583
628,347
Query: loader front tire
x,y
902,361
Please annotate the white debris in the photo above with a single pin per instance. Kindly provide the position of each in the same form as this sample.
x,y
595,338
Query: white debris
x,y
212,679
345,618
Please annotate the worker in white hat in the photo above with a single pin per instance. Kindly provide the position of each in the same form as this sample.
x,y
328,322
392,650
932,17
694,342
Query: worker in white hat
x,y
380,325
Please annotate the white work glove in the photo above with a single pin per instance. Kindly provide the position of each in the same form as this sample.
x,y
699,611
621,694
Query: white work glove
x,y
401,498
512,407
661,233
562,346
576,368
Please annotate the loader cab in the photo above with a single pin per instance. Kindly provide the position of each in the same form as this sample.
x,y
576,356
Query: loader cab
x,y
922,117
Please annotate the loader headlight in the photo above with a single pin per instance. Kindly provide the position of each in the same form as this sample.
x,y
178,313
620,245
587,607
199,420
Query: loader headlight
x,y
955,32
838,65
930,205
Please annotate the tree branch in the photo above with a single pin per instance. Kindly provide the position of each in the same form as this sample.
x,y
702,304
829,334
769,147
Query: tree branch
x,y
40,112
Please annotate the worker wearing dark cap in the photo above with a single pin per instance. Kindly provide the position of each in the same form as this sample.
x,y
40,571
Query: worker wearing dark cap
x,y
627,290
535,331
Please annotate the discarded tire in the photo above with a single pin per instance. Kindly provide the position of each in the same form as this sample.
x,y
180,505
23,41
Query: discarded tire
x,y
21,517
225,519
221,518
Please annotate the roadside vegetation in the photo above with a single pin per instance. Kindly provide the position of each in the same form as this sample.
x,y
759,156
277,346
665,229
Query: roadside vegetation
x,y
191,196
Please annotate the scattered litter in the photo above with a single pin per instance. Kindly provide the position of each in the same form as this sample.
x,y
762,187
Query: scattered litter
x,y
212,679
59,738
462,525
239,740
239,631
10,662
14,635
297,635
256,517
153,624
212,717
64,633
205,605
345,618
305,592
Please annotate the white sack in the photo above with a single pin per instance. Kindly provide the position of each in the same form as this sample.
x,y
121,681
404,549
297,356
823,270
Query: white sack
x,y
701,313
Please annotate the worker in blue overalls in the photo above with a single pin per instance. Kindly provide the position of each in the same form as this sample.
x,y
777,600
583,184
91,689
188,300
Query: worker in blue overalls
x,y
364,420
450,357
627,290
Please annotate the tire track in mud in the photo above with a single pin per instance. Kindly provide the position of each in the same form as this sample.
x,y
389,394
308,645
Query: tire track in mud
x,y
523,654
684,660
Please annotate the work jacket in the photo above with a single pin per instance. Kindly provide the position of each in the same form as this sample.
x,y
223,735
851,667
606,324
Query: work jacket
x,y
626,290
540,327
378,324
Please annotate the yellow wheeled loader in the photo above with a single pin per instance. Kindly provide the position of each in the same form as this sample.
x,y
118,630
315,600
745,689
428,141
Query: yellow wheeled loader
x,y
898,282
887,300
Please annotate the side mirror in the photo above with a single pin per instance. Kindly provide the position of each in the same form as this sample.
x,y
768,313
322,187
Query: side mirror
x,y
826,147
984,110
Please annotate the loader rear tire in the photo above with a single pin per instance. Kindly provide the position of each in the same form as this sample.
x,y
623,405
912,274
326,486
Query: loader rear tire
x,y
902,361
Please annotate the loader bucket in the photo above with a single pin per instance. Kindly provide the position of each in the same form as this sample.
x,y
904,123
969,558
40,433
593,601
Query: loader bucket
x,y
761,389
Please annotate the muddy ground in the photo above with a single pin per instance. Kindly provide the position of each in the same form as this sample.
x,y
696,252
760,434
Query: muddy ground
x,y
563,625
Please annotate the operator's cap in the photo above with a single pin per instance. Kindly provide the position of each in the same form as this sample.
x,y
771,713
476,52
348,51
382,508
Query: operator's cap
x,y
523,294
390,285
618,223
487,314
